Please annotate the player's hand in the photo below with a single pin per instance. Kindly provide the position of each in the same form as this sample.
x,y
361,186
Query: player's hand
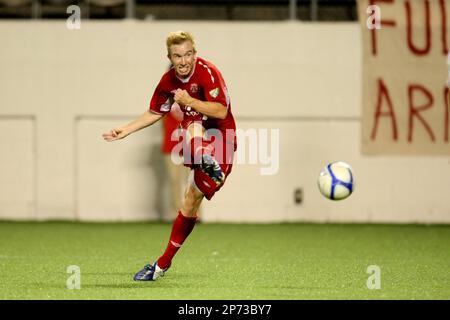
x,y
115,134
182,97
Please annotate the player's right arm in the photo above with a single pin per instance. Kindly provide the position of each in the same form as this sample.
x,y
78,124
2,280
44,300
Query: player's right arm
x,y
159,105
146,119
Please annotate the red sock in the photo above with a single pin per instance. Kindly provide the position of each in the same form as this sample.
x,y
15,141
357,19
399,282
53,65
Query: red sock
x,y
181,228
198,148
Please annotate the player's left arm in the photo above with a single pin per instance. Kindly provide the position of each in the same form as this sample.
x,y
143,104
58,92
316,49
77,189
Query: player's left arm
x,y
208,108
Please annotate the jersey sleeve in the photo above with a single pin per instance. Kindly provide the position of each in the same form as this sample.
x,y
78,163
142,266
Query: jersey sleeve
x,y
214,86
162,100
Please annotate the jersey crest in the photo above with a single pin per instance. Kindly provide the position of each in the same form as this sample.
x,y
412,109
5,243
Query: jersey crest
x,y
214,92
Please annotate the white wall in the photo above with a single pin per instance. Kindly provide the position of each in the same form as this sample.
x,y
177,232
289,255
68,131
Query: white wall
x,y
61,89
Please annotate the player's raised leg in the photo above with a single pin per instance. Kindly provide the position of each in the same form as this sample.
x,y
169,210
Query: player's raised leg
x,y
202,153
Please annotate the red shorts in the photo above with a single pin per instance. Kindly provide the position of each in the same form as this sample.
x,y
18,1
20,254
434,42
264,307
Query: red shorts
x,y
207,185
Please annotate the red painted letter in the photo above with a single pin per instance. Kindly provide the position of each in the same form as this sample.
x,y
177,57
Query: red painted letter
x,y
383,91
446,102
373,34
409,24
444,27
415,111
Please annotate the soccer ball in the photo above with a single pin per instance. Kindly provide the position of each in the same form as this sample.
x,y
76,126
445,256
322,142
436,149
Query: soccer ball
x,y
336,181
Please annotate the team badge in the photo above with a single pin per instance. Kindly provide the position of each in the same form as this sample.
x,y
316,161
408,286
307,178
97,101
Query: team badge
x,y
214,92
165,107
194,88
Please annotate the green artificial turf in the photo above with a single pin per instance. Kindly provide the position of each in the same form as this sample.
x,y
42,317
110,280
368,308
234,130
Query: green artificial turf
x,y
225,261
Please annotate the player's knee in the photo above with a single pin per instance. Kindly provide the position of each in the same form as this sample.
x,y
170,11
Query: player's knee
x,y
191,202
188,209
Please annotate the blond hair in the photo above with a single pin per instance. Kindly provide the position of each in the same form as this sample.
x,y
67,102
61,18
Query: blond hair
x,y
179,37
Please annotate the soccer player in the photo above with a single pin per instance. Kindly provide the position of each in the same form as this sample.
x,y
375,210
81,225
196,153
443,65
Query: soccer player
x,y
210,140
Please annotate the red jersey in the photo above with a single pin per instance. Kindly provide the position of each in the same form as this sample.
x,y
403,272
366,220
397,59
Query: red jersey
x,y
206,84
